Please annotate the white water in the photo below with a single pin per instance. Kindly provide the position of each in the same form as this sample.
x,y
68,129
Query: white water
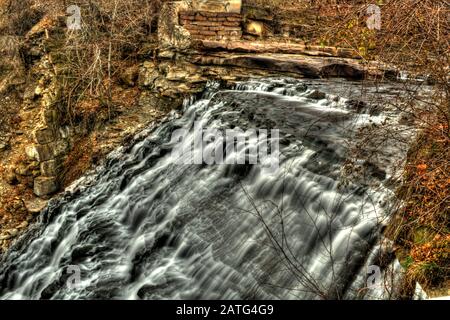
x,y
149,227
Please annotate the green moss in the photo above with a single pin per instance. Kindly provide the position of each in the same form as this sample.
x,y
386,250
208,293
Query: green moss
x,y
406,262
423,235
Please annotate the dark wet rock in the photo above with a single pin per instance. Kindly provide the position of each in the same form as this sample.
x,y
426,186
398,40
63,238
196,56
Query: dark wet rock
x,y
317,95
344,70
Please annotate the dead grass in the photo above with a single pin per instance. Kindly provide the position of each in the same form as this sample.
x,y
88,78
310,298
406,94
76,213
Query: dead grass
x,y
422,225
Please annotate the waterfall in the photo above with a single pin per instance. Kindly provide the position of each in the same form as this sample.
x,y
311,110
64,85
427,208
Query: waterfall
x,y
151,224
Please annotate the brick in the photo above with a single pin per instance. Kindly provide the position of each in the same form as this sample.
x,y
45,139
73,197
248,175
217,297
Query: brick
x,y
193,27
43,152
187,17
200,37
232,24
194,32
230,33
206,23
232,29
49,115
218,19
208,33
216,28
229,14
208,14
199,17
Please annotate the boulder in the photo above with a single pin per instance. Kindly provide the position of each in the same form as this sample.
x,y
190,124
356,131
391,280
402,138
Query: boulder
x,y
30,152
44,186
356,105
343,70
50,168
317,95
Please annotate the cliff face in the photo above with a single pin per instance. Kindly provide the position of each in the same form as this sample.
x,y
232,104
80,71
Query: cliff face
x,y
42,147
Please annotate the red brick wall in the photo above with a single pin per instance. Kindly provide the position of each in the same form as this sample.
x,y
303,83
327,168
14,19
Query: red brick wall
x,y
212,25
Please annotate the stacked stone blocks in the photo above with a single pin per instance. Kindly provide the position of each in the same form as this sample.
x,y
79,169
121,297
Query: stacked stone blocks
x,y
212,25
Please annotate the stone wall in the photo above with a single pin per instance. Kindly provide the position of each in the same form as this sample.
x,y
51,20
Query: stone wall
x,y
212,25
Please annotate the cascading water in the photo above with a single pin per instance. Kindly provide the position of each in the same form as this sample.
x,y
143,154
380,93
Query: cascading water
x,y
150,226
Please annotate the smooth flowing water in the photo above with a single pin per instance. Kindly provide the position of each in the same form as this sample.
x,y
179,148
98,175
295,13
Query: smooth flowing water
x,y
152,225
